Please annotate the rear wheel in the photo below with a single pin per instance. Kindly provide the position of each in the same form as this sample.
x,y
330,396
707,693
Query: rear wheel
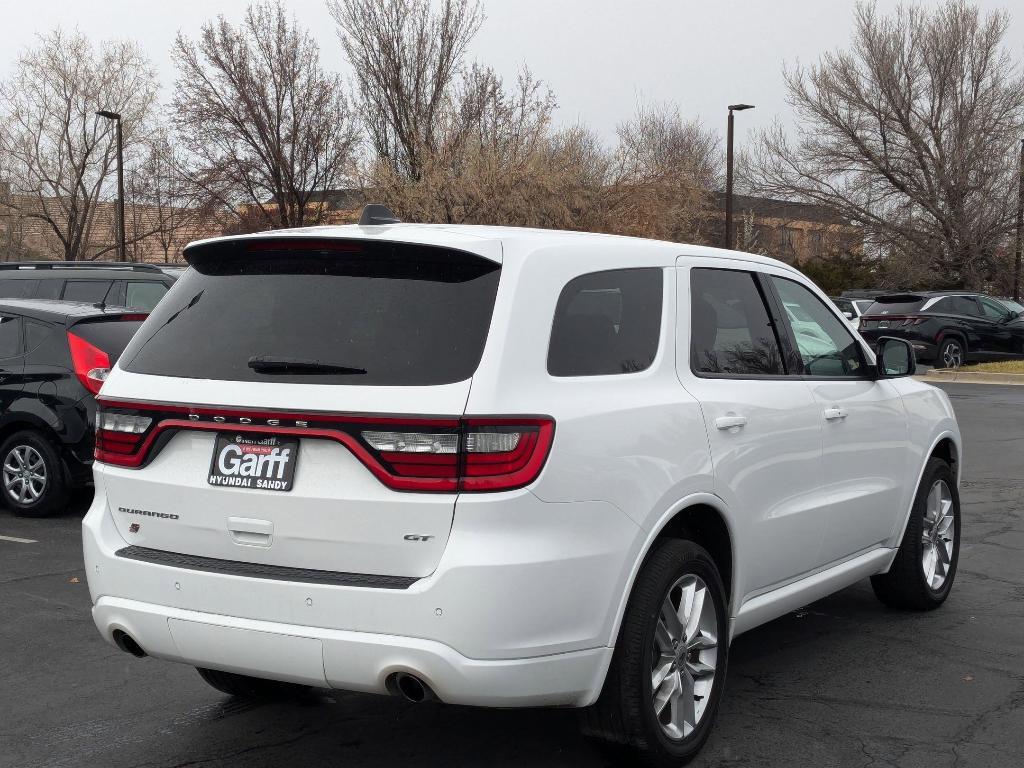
x,y
952,353
246,687
32,475
922,574
661,694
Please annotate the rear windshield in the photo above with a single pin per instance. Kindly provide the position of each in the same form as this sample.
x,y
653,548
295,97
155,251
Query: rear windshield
x,y
334,313
112,336
896,305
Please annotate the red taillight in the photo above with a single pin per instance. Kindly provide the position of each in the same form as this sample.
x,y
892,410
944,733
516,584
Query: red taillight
x,y
120,437
487,454
91,363
439,455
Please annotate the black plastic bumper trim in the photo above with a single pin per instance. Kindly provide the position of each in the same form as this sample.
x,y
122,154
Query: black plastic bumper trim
x,y
260,571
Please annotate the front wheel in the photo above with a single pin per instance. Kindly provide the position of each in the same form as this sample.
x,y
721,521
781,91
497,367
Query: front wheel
x,y
662,691
922,574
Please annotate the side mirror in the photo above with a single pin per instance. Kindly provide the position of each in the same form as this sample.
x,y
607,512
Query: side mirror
x,y
848,315
895,358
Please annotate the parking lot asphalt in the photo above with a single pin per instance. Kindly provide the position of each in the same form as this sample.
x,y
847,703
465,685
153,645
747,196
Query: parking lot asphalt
x,y
842,682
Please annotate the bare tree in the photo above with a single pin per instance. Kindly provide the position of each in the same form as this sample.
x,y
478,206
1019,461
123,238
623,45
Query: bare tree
x,y
665,170
162,211
408,63
55,152
910,132
268,131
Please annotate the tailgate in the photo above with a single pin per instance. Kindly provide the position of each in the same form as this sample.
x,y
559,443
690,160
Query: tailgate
x,y
335,516
297,403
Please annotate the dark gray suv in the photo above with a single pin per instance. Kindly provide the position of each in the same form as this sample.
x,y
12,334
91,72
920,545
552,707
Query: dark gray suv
x,y
110,283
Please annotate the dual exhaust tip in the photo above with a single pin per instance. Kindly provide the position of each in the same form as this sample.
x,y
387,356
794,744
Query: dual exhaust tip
x,y
403,684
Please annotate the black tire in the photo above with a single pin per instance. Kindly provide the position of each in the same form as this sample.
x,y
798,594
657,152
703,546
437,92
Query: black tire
x,y
245,687
624,715
905,585
54,492
951,348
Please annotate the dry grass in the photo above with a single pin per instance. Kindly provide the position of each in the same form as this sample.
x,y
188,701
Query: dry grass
x,y
1005,366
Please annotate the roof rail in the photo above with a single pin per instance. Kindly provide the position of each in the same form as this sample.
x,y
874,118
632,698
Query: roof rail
x,y
126,265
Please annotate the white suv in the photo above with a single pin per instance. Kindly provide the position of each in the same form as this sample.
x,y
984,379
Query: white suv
x,y
506,468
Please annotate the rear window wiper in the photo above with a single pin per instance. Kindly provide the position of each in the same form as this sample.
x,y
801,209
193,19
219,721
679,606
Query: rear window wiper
x,y
273,364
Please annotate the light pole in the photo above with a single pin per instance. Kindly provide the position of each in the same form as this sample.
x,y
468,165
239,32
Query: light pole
x,y
1019,250
116,117
728,173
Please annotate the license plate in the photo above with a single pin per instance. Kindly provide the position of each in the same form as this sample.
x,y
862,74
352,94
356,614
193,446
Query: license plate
x,y
264,462
883,323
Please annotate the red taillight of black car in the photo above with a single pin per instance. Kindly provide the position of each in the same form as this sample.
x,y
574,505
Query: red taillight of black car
x,y
91,364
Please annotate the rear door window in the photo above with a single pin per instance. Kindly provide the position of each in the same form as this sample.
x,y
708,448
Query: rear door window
x,y
730,331
607,323
36,333
49,288
10,336
91,291
142,294
331,312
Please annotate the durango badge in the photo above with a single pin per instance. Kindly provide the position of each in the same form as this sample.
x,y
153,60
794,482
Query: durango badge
x,y
266,462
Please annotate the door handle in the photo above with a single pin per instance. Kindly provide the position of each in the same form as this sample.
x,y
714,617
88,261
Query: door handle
x,y
833,414
731,422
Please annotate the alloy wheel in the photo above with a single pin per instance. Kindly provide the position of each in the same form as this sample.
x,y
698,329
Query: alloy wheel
x,y
685,656
937,535
24,474
952,355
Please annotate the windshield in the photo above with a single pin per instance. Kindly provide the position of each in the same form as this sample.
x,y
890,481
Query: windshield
x,y
369,314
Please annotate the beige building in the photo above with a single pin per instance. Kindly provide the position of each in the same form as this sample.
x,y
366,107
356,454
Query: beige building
x,y
152,233
792,232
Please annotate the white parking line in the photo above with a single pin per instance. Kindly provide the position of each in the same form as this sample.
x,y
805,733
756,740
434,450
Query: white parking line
x,y
16,540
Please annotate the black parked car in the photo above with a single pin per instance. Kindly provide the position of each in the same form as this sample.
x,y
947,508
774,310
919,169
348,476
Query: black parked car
x,y
118,283
947,329
54,356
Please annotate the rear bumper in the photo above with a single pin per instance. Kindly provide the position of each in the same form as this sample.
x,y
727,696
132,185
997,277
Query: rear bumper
x,y
520,611
355,661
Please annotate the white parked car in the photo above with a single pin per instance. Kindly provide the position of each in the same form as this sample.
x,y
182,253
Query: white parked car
x,y
852,309
506,468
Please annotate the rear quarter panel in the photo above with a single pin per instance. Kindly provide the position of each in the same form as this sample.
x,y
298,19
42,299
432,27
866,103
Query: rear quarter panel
x,y
635,441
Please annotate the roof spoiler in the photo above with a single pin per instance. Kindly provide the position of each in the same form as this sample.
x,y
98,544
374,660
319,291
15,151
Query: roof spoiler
x,y
899,298
375,215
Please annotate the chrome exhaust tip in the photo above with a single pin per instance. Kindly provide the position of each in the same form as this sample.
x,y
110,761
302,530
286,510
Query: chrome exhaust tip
x,y
410,687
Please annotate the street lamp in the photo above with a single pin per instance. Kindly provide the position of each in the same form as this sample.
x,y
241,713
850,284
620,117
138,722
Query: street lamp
x,y
116,117
728,173
1019,245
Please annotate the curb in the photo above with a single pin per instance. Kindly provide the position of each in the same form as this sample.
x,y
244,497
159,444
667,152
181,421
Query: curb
x,y
967,377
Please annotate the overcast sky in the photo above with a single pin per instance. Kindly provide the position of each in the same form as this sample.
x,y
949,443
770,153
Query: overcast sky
x,y
599,56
